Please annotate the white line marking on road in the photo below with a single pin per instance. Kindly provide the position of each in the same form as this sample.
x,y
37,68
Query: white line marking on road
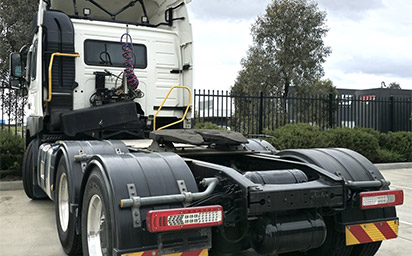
x,y
402,187
405,222
405,238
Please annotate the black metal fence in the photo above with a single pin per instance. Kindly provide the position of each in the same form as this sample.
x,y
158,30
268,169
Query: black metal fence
x,y
251,114
12,103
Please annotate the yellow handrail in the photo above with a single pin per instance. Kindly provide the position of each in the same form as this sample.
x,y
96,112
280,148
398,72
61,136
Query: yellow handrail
x,y
74,55
161,105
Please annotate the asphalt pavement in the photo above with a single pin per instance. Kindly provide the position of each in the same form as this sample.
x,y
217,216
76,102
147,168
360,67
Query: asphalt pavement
x,y
29,228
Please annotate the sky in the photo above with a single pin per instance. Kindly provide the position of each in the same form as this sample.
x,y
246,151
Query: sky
x,y
371,41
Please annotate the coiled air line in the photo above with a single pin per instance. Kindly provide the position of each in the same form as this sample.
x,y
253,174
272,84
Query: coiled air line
x,y
128,53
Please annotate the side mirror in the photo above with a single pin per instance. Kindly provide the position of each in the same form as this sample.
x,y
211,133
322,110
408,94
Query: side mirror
x,y
16,67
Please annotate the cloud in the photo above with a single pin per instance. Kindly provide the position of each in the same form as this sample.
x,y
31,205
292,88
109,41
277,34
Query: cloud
x,y
351,9
371,41
219,47
227,9
379,66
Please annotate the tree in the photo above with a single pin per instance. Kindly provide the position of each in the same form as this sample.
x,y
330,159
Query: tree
x,y
15,24
318,88
394,85
288,48
315,102
16,18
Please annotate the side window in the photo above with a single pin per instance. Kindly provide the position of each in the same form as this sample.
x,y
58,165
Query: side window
x,y
33,61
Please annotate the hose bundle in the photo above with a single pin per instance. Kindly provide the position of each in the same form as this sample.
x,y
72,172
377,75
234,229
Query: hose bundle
x,y
127,47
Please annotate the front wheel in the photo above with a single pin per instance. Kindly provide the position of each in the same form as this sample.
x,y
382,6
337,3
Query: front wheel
x,y
96,224
28,172
65,220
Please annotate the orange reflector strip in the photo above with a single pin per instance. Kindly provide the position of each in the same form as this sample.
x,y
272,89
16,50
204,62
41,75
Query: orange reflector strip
x,y
204,252
371,232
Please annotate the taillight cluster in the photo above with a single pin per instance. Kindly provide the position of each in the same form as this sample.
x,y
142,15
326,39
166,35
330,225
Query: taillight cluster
x,y
184,218
379,199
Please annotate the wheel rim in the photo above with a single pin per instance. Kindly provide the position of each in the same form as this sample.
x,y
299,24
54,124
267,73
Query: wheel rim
x,y
63,202
96,227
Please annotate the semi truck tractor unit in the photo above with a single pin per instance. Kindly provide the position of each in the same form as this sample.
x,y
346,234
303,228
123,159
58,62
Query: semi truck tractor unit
x,y
109,140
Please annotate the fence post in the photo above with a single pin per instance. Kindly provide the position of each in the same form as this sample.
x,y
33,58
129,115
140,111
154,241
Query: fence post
x,y
2,107
391,113
330,110
261,113
9,111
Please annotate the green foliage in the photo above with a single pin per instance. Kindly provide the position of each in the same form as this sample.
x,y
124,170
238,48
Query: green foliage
x,y
394,85
11,154
398,142
377,147
387,156
288,48
318,88
354,139
317,113
207,125
297,136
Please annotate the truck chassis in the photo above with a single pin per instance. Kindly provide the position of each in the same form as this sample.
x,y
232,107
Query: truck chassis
x,y
289,201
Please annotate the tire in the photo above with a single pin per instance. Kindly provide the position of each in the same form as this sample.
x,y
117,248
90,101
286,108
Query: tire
x,y
65,220
28,171
96,217
344,161
335,243
366,249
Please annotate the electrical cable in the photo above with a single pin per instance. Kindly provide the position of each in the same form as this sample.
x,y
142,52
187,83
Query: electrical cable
x,y
127,47
106,54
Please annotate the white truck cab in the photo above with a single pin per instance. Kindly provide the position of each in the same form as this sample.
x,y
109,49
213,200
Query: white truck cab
x,y
76,64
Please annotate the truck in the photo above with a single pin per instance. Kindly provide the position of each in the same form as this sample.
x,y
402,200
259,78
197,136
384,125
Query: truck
x,y
109,140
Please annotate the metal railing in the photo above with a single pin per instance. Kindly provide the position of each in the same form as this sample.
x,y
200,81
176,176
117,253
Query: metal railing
x,y
12,103
251,114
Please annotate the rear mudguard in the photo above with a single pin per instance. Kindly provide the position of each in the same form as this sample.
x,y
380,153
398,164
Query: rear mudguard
x,y
351,166
259,146
70,149
152,174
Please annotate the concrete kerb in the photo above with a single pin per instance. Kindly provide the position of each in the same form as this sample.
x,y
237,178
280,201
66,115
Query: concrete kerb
x,y
16,185
11,185
390,166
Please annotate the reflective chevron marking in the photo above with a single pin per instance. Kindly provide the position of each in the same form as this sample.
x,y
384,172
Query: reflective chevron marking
x,y
371,232
203,252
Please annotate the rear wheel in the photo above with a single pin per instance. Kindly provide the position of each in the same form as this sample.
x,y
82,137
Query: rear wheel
x,y
66,220
335,243
352,166
96,225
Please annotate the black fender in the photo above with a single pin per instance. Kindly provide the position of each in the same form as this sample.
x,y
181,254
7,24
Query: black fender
x,y
153,174
343,162
76,169
33,127
37,190
351,166
260,146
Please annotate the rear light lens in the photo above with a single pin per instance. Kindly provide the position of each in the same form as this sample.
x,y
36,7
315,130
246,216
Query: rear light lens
x,y
379,199
184,218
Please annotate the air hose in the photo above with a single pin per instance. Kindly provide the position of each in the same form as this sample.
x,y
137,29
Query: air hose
x,y
127,47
